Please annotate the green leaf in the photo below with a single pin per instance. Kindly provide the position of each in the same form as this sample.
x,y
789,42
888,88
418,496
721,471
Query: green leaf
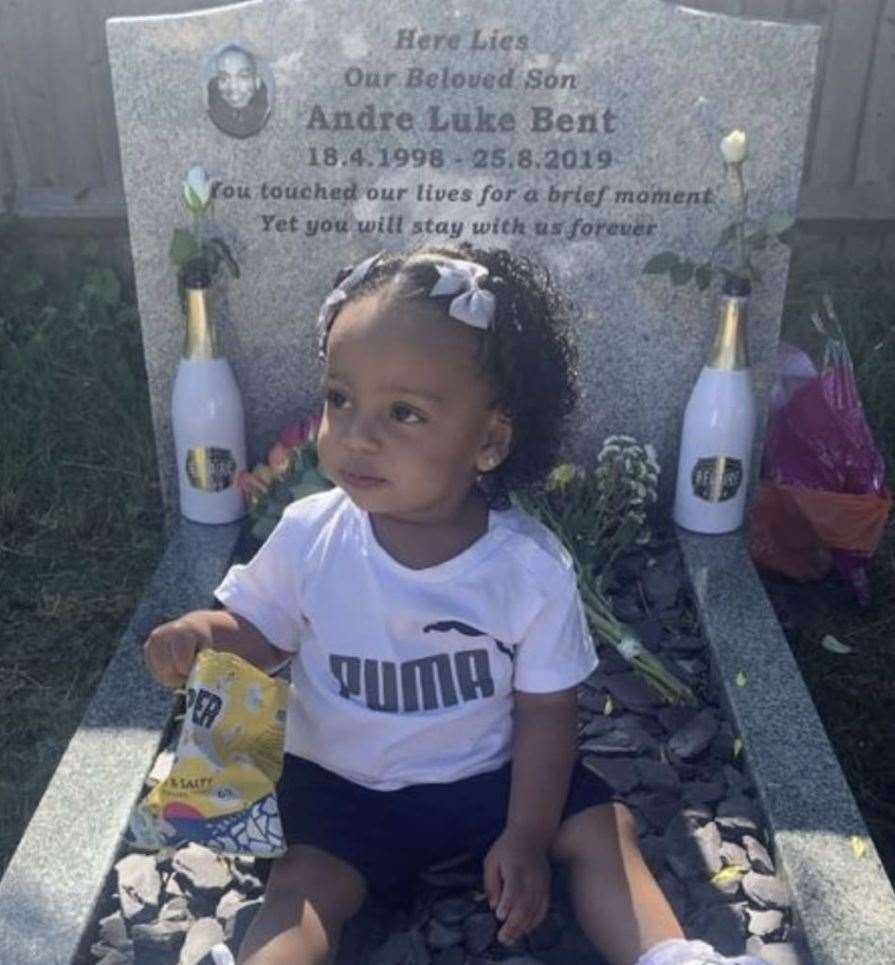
x,y
183,247
779,222
264,527
314,478
703,277
311,482
659,264
830,643
740,679
858,845
682,272
192,200
222,251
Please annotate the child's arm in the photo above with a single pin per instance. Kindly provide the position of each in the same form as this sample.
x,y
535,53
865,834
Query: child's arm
x,y
171,648
517,870
544,750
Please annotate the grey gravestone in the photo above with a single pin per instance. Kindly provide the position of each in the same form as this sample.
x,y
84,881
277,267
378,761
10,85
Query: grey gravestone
x,y
587,138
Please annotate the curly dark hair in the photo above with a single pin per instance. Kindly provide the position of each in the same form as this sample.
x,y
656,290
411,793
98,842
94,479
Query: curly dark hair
x,y
528,354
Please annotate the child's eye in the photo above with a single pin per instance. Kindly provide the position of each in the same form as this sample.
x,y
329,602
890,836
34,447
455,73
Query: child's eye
x,y
403,413
334,398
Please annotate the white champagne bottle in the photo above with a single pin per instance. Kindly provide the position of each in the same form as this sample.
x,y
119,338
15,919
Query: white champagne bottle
x,y
208,418
719,427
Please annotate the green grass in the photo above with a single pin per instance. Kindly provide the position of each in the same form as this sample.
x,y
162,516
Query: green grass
x,y
80,509
81,521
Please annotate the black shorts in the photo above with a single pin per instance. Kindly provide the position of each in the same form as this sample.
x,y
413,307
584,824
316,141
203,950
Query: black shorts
x,y
391,836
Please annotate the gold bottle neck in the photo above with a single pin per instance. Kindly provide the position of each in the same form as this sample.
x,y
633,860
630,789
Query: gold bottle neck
x,y
200,342
729,350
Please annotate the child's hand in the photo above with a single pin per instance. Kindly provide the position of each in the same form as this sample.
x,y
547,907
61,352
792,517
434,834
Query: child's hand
x,y
517,883
170,650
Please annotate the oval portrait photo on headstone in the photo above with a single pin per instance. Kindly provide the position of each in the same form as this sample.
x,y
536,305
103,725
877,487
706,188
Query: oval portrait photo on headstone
x,y
238,89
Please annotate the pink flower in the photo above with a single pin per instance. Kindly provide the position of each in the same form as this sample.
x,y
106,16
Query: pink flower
x,y
252,488
278,458
242,483
295,433
261,477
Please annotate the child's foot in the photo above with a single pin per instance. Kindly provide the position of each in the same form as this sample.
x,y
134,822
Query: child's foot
x,y
677,951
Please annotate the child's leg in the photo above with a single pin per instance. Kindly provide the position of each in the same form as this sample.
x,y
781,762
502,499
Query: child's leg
x,y
618,903
310,895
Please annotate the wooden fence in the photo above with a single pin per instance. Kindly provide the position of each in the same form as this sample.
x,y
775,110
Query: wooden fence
x,y
59,153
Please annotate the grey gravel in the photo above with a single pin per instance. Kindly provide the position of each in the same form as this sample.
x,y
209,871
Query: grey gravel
x,y
202,936
734,854
766,891
723,927
658,776
139,885
693,850
758,855
763,923
694,737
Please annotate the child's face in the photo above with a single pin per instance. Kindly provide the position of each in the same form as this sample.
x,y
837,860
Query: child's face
x,y
383,357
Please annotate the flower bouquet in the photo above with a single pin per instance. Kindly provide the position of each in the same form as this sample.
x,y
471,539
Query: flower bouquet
x,y
290,473
599,515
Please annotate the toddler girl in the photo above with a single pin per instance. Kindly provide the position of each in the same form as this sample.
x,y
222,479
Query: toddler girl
x,y
435,633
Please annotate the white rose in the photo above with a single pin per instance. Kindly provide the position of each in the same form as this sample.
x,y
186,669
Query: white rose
x,y
197,189
733,147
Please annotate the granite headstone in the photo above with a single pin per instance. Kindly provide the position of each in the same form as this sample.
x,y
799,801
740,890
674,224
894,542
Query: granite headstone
x,y
587,139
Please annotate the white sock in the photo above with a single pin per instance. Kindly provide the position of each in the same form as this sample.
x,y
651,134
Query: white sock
x,y
679,951
220,954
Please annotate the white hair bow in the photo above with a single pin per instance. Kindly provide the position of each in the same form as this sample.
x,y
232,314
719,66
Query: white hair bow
x,y
338,295
473,305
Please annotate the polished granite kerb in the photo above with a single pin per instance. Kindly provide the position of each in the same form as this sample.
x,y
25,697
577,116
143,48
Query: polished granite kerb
x,y
845,902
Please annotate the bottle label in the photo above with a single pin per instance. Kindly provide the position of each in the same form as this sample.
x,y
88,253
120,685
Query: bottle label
x,y
717,478
210,469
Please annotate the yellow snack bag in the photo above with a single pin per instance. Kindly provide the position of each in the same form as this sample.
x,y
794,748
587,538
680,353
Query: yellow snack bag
x,y
221,790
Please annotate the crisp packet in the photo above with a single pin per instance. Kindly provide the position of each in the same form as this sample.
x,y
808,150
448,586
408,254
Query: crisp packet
x,y
221,790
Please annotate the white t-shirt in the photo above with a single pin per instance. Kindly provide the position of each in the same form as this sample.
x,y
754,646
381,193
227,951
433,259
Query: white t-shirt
x,y
406,676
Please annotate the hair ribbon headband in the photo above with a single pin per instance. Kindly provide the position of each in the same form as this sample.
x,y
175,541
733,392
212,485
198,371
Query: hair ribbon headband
x,y
473,305
338,295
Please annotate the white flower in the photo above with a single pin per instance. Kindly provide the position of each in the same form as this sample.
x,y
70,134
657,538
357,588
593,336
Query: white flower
x,y
197,189
733,147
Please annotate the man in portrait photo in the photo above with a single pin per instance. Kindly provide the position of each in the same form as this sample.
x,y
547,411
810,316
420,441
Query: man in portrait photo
x,y
238,99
